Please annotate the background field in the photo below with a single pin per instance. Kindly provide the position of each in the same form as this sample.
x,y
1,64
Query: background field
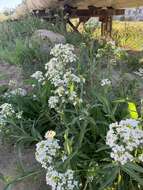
x,y
128,34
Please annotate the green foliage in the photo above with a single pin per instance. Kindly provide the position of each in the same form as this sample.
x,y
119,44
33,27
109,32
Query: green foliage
x,y
80,128
15,42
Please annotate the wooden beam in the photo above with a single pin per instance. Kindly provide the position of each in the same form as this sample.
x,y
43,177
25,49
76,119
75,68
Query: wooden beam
x,y
106,26
95,13
82,13
105,16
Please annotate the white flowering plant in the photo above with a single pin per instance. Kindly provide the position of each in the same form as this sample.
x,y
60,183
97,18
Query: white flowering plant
x,y
97,155
30,112
92,25
93,123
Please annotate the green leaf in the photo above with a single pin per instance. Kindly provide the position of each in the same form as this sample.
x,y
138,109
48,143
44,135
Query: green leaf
x,y
135,167
103,148
133,110
67,143
21,178
109,178
35,133
2,177
8,187
133,175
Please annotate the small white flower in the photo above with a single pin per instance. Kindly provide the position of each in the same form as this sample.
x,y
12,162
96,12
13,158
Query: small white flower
x,y
60,91
105,82
50,134
38,75
64,158
6,110
19,115
53,101
12,83
34,97
16,92
33,85
131,122
139,72
19,91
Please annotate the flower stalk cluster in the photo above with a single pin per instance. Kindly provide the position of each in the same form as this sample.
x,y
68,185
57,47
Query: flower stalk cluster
x,y
38,75
125,139
7,112
60,73
47,152
16,92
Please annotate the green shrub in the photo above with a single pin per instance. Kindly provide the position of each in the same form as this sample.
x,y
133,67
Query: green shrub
x,y
74,100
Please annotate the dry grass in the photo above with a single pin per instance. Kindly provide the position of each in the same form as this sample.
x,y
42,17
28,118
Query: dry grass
x,y
3,17
129,34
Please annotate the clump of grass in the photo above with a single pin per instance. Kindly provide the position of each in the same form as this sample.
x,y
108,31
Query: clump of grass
x,y
15,44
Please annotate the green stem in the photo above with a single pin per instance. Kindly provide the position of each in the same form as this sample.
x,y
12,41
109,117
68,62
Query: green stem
x,y
86,184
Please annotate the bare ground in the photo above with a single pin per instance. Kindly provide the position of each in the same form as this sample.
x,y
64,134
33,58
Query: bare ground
x,y
9,72
9,160
11,166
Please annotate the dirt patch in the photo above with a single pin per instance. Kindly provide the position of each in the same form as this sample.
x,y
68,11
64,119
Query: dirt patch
x,y
10,167
12,163
9,72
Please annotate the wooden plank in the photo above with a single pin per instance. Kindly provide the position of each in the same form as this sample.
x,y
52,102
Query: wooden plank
x,y
80,13
95,12
117,4
82,4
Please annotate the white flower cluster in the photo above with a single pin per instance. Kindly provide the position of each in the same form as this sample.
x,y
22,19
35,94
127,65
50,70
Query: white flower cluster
x,y
105,82
61,181
47,152
16,92
139,72
61,75
111,51
7,111
92,23
64,53
12,83
124,138
53,101
38,75
19,115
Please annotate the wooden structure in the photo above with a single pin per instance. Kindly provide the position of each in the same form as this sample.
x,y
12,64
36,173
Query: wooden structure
x,y
82,9
105,16
116,4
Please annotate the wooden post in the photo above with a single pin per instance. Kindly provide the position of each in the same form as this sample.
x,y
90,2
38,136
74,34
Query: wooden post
x,y
106,26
